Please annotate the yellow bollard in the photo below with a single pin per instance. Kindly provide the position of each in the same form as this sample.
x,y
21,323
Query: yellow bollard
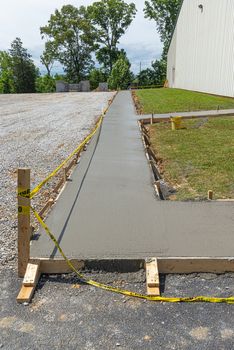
x,y
176,123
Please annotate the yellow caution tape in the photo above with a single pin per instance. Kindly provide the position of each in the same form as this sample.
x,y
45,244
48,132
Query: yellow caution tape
x,y
229,300
23,192
80,147
22,210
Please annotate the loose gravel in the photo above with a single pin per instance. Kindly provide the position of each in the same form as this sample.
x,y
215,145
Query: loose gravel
x,y
38,131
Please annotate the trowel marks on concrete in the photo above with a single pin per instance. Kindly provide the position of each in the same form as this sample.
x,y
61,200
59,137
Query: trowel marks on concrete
x,y
109,209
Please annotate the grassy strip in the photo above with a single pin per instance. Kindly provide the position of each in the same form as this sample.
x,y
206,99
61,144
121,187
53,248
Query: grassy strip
x,y
197,159
176,100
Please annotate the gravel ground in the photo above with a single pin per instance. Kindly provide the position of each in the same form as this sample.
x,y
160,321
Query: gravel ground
x,y
67,315
38,131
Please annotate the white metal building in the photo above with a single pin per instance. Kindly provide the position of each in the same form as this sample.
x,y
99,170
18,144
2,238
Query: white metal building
x,y
201,53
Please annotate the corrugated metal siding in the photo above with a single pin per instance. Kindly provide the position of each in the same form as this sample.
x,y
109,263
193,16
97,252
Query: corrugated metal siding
x,y
202,47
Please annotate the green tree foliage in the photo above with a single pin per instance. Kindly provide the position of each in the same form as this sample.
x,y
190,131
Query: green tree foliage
x,y
111,18
159,68
71,40
6,73
24,70
121,76
48,57
96,76
156,75
45,84
145,77
164,12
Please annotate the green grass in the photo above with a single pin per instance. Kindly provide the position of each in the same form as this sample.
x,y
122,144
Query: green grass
x,y
176,100
197,159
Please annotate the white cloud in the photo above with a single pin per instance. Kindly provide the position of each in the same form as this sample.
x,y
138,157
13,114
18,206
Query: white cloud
x,y
23,18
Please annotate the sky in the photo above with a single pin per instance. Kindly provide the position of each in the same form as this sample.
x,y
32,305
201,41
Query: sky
x,y
23,18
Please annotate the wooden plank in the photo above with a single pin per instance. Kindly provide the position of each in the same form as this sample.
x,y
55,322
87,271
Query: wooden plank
x,y
144,129
147,140
195,264
72,163
65,176
47,206
152,154
32,274
30,281
24,228
158,185
165,264
51,266
152,277
25,295
59,185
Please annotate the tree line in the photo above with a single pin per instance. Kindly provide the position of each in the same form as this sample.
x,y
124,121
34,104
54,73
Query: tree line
x,y
76,36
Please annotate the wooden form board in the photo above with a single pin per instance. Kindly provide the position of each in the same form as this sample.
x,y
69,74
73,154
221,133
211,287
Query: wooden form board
x,y
180,265
164,265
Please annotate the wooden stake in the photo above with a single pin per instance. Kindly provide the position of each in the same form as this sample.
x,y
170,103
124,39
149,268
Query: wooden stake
x,y
30,281
158,185
152,277
24,229
77,157
152,119
210,195
64,174
31,275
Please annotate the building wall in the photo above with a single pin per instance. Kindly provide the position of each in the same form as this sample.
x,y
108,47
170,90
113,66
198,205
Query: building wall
x,y
202,48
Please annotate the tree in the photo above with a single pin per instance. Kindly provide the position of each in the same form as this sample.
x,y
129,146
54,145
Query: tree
x,y
24,70
146,77
45,84
48,57
111,18
164,12
71,40
121,76
6,73
159,69
96,76
156,75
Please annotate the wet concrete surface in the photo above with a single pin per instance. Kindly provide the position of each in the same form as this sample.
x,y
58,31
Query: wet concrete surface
x,y
67,315
109,209
217,113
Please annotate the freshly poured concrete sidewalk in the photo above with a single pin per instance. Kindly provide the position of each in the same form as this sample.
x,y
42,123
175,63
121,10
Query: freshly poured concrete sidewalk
x,y
109,209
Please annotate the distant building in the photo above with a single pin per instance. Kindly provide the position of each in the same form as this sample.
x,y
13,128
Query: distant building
x,y
201,53
82,86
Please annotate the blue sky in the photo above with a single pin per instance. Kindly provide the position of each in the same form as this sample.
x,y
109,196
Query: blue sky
x,y
23,18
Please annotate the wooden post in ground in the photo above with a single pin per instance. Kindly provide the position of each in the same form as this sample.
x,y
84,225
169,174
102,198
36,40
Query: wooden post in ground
x,y
65,174
152,277
24,229
210,195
